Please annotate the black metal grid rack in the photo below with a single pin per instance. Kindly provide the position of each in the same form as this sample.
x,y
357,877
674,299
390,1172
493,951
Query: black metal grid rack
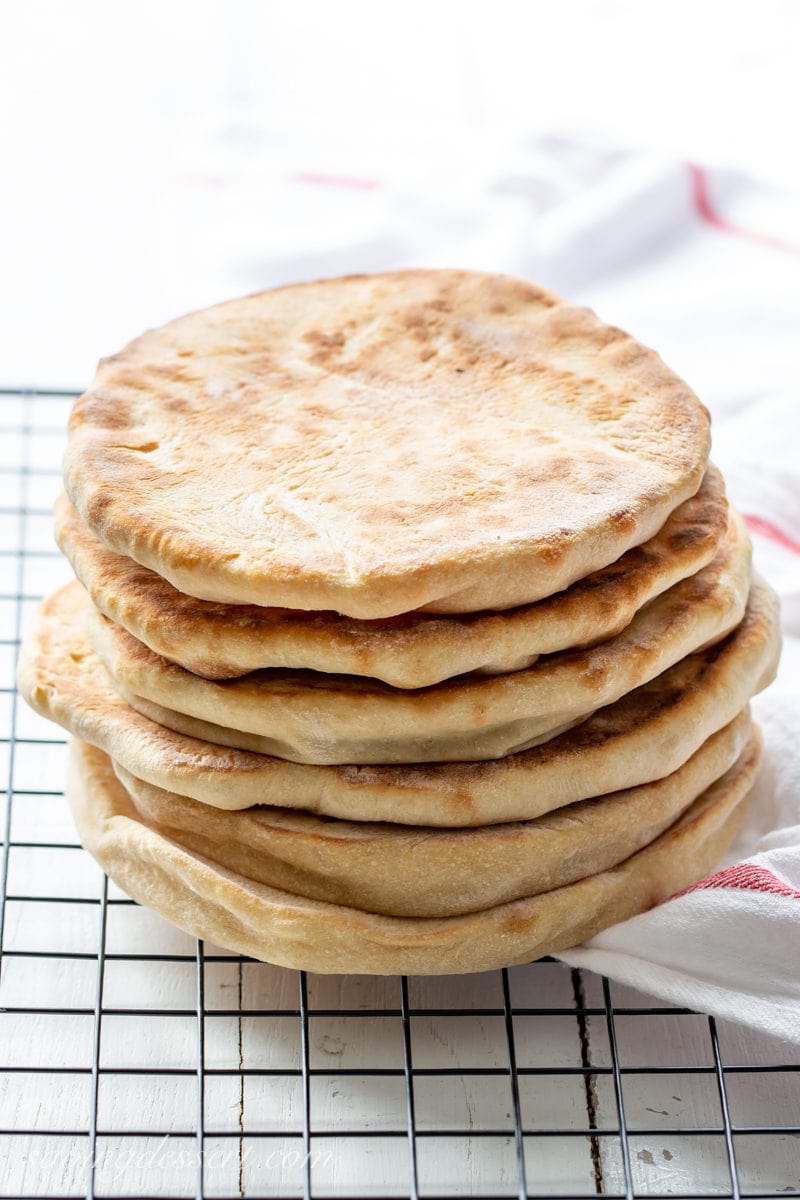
x,y
136,1062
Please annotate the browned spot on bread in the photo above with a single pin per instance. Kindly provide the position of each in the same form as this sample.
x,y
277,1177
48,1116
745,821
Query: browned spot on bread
x,y
324,346
175,404
622,518
687,536
367,387
95,408
554,547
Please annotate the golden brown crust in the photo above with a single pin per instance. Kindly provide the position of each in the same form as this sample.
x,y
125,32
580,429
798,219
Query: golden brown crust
x,y
250,918
417,871
645,735
439,439
314,718
221,641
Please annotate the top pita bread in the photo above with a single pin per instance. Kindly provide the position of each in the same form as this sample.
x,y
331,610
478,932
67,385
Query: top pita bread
x,y
378,444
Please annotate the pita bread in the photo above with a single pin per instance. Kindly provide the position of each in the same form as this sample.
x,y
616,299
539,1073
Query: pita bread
x,y
415,871
645,735
328,719
441,439
250,918
220,641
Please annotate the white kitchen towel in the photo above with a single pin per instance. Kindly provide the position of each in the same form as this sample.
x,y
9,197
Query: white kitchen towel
x,y
704,265
730,945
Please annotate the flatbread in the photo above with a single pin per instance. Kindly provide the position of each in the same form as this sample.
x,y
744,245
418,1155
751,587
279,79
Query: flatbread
x,y
377,444
249,918
221,641
416,871
645,735
314,718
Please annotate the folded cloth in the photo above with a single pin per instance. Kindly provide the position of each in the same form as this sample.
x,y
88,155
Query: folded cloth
x,y
705,265
730,945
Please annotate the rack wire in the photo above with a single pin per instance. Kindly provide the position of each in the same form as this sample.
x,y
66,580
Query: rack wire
x,y
135,1061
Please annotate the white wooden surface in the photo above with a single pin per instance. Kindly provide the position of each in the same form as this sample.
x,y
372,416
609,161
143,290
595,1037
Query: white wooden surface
x,y
146,1121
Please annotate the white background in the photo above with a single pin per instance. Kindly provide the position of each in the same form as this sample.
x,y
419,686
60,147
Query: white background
x,y
159,155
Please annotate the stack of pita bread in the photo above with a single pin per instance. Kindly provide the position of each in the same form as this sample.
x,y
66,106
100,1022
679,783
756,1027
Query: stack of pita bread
x,y
412,629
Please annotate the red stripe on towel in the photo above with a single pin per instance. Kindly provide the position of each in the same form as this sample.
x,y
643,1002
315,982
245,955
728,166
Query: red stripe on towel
x,y
707,212
747,877
344,181
764,528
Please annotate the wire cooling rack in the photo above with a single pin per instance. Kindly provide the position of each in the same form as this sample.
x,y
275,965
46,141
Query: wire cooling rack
x,y
135,1061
